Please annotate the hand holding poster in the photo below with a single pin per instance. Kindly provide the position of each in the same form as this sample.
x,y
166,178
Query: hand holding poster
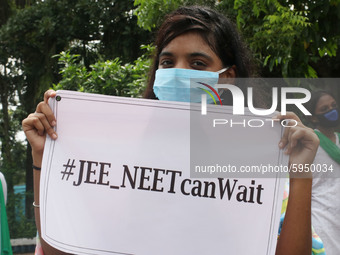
x,y
122,178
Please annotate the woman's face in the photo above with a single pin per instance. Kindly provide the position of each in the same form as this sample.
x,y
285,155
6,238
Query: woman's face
x,y
325,104
190,51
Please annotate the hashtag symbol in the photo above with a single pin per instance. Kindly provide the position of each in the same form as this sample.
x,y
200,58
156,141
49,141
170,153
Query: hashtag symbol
x,y
68,169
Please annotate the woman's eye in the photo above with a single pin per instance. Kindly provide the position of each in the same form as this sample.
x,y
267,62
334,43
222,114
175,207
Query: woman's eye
x,y
324,109
197,64
166,63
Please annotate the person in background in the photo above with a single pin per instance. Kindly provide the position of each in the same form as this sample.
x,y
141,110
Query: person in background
x,y
5,244
4,186
326,181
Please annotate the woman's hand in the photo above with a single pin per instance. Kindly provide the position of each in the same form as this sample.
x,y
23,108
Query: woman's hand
x,y
300,143
37,125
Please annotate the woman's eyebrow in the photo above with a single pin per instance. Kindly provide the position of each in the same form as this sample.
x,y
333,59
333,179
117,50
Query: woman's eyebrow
x,y
201,54
165,53
193,54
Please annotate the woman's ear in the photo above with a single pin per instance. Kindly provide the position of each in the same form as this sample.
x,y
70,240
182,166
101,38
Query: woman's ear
x,y
231,72
228,75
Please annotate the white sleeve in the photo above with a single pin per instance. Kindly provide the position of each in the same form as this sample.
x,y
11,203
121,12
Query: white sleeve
x,y
4,186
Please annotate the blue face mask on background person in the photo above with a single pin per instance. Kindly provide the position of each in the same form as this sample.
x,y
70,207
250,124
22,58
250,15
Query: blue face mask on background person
x,y
173,84
329,119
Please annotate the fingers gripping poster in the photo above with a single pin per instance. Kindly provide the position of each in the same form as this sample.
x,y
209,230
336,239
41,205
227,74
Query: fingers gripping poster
x,y
121,179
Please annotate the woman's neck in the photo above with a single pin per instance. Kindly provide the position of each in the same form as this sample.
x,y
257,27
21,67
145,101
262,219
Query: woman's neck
x,y
329,132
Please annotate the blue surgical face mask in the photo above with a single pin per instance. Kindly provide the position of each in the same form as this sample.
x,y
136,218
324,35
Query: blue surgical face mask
x,y
329,119
186,85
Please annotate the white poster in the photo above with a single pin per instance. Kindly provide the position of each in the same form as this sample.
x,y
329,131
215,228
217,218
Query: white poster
x,y
117,181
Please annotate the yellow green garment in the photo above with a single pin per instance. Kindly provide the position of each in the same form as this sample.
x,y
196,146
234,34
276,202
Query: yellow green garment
x,y
317,244
6,248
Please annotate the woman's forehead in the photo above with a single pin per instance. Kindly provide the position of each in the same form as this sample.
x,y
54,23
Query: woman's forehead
x,y
189,42
324,100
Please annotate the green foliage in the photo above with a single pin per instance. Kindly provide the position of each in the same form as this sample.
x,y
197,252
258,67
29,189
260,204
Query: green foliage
x,y
109,77
12,164
288,38
150,13
274,33
19,225
31,32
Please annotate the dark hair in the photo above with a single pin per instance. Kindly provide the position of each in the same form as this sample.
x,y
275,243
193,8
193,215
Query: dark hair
x,y
216,29
315,97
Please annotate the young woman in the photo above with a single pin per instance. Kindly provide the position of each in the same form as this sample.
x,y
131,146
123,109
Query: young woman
x,y
196,41
326,183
